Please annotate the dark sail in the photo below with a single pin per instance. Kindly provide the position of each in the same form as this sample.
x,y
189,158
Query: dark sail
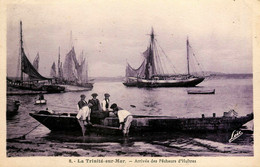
x,y
36,62
28,68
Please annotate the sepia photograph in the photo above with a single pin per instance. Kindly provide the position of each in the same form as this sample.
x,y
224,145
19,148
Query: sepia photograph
x,y
141,79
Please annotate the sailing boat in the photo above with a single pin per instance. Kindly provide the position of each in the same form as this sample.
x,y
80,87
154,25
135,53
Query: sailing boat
x,y
151,73
73,71
36,62
34,76
53,70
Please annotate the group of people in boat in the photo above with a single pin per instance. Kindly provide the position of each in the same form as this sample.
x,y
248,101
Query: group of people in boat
x,y
93,112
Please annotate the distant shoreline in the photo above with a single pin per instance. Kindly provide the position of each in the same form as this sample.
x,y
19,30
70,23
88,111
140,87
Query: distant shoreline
x,y
212,76
206,74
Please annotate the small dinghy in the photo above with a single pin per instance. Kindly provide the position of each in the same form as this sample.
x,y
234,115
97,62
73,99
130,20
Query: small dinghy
x,y
201,91
37,102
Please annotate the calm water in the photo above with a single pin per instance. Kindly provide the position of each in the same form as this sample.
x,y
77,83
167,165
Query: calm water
x,y
230,94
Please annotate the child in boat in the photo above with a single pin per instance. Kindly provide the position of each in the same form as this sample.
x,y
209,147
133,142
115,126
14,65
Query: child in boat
x,y
125,118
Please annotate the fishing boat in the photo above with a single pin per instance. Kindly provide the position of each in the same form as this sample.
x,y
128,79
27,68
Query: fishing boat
x,y
68,122
201,91
12,107
74,71
36,81
151,72
40,102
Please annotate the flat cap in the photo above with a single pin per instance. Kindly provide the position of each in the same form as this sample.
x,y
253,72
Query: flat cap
x,y
94,95
114,105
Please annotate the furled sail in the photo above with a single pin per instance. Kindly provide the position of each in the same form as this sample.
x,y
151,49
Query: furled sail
x,y
69,66
28,68
139,72
53,70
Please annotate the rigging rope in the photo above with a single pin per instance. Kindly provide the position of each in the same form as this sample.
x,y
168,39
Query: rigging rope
x,y
173,67
159,60
198,64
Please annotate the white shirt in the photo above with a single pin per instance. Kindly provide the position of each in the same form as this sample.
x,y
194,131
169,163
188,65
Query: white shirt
x,y
122,114
104,105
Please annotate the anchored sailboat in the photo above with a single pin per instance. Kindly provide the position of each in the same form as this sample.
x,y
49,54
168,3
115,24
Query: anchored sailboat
x,y
152,74
34,76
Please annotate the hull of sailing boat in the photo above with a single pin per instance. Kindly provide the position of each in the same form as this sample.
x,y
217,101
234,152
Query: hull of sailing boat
x,y
191,82
34,87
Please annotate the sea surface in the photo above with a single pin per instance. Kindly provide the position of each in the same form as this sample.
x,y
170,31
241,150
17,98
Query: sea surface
x,y
230,94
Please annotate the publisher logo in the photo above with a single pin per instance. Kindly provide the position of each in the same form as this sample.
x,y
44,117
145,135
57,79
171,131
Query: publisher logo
x,y
235,134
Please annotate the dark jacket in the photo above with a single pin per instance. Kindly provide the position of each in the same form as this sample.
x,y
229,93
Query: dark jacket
x,y
95,104
82,103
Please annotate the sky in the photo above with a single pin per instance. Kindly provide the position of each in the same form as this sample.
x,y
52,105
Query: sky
x,y
113,32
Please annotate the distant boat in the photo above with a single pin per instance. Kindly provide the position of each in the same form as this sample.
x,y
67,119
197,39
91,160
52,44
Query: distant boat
x,y
12,107
151,73
74,72
39,102
36,81
201,91
68,122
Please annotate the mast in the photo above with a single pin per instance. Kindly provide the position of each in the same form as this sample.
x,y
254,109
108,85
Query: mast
x,y
59,70
152,54
150,58
21,43
188,57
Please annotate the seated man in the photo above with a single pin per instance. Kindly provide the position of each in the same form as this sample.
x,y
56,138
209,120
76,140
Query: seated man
x,y
125,118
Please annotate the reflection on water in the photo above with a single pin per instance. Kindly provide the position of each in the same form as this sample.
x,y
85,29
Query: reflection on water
x,y
230,93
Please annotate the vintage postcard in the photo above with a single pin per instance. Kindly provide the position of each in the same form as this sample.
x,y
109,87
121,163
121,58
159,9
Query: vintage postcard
x,y
130,83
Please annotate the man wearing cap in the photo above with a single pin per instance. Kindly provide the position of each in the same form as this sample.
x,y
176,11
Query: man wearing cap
x,y
95,103
96,111
84,112
105,103
125,118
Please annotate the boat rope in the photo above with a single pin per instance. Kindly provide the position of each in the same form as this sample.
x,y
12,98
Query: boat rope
x,y
23,136
159,61
197,62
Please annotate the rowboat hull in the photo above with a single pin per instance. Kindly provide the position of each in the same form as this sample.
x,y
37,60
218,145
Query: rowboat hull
x,y
50,88
201,91
140,124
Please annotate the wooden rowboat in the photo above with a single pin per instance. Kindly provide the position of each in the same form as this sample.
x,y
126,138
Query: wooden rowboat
x,y
200,91
140,124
